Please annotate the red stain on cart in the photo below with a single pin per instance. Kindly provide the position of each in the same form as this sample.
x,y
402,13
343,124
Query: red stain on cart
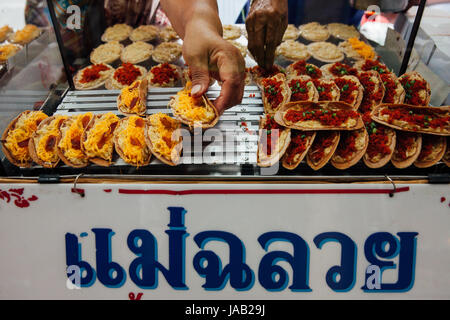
x,y
17,194
442,199
107,190
132,296
77,190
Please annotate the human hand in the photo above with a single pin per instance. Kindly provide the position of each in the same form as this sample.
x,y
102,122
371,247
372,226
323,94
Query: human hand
x,y
266,23
208,55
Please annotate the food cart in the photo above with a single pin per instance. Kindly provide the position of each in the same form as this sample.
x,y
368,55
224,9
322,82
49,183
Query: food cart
x,y
216,226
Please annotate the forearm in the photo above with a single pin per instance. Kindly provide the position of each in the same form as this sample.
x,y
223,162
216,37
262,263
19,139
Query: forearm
x,y
193,15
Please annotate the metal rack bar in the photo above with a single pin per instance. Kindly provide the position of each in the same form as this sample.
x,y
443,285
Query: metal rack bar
x,y
412,37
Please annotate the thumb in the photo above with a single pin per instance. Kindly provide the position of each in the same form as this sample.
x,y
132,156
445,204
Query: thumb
x,y
199,75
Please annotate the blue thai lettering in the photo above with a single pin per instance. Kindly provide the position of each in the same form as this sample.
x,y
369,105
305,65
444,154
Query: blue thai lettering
x,y
73,258
109,273
299,261
240,275
347,269
144,269
386,246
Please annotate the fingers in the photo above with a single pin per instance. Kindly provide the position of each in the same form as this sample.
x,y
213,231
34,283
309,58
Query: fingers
x,y
200,79
230,95
232,74
198,69
266,24
256,29
274,36
271,45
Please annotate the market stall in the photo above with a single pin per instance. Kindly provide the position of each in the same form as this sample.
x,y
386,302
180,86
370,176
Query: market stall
x,y
116,186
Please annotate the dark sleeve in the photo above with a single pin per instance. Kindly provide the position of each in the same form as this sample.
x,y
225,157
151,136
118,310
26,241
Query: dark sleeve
x,y
131,12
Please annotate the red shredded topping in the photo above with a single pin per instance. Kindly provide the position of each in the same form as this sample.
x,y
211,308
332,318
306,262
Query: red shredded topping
x,y
346,88
135,142
323,140
374,65
298,145
261,72
76,142
163,74
92,73
347,145
404,141
139,123
378,138
24,143
299,90
85,121
370,95
325,117
270,125
423,118
103,140
427,146
303,68
127,74
378,142
324,90
168,141
390,87
50,143
412,89
272,89
340,69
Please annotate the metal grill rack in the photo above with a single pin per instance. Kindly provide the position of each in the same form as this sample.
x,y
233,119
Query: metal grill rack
x,y
233,141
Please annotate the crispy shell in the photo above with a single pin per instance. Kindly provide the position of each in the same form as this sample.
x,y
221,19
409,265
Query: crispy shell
x,y
376,79
335,92
285,91
441,142
409,161
61,153
32,145
98,161
7,153
383,161
326,158
143,89
173,102
400,93
360,92
95,84
444,111
355,157
446,157
176,152
294,165
329,105
282,144
313,94
414,75
119,149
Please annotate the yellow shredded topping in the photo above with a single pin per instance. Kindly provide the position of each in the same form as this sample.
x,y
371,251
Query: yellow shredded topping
x,y
24,128
130,93
161,134
72,132
131,138
99,142
362,48
48,131
193,109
